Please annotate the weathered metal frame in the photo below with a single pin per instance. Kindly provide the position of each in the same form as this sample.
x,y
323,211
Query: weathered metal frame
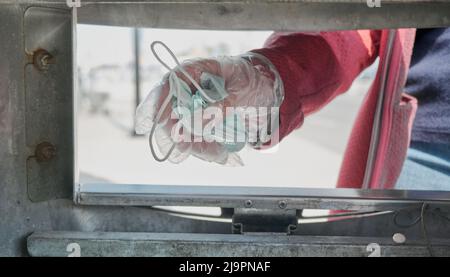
x,y
182,245
260,197
25,215
292,15
276,15
236,197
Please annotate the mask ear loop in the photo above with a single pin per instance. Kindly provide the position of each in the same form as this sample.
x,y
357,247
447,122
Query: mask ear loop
x,y
169,96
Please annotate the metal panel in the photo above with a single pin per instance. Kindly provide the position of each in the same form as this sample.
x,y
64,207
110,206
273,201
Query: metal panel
x,y
293,15
261,197
267,15
211,245
48,96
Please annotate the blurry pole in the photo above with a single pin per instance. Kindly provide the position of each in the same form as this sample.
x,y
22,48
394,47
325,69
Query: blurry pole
x,y
137,70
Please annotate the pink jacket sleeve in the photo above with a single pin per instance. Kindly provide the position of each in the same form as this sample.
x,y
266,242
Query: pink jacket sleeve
x,y
316,67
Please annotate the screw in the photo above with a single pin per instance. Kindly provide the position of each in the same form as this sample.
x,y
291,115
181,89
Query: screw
x,y
282,204
42,59
248,203
45,151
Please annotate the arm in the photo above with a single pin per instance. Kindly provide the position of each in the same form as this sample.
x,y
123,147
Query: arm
x,y
316,67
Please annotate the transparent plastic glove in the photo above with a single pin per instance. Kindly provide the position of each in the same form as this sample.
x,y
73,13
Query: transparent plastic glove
x,y
243,82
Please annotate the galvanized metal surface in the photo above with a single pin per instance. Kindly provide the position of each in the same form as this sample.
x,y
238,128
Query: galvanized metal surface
x,y
293,15
157,244
21,216
260,15
48,97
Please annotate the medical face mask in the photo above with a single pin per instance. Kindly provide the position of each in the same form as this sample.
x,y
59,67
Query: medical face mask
x,y
210,90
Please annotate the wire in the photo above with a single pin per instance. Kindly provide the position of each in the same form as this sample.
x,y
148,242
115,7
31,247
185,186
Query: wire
x,y
178,67
172,74
424,229
439,213
411,224
348,215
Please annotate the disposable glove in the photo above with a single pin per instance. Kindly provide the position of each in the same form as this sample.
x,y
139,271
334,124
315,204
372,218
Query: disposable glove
x,y
200,87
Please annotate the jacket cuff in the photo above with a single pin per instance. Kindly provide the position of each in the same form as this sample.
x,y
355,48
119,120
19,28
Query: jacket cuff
x,y
291,114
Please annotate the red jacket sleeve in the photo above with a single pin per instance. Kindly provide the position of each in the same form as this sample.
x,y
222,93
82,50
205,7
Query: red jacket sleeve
x,y
316,67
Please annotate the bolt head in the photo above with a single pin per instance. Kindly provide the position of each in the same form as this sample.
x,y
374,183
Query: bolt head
x,y
41,59
45,151
282,204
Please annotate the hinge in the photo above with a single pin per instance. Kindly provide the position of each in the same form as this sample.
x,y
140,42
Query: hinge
x,y
73,3
250,220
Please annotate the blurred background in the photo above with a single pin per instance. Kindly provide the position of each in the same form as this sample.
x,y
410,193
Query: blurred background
x,y
116,70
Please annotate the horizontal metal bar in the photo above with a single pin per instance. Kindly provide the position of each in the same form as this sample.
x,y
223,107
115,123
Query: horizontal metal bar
x,y
167,244
254,197
291,15
127,2
283,16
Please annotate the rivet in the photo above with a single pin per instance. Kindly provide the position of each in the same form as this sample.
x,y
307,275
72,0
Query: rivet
x,y
42,59
45,151
248,203
282,204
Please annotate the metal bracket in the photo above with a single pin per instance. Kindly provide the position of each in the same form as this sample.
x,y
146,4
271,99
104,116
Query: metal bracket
x,y
73,3
49,102
249,220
